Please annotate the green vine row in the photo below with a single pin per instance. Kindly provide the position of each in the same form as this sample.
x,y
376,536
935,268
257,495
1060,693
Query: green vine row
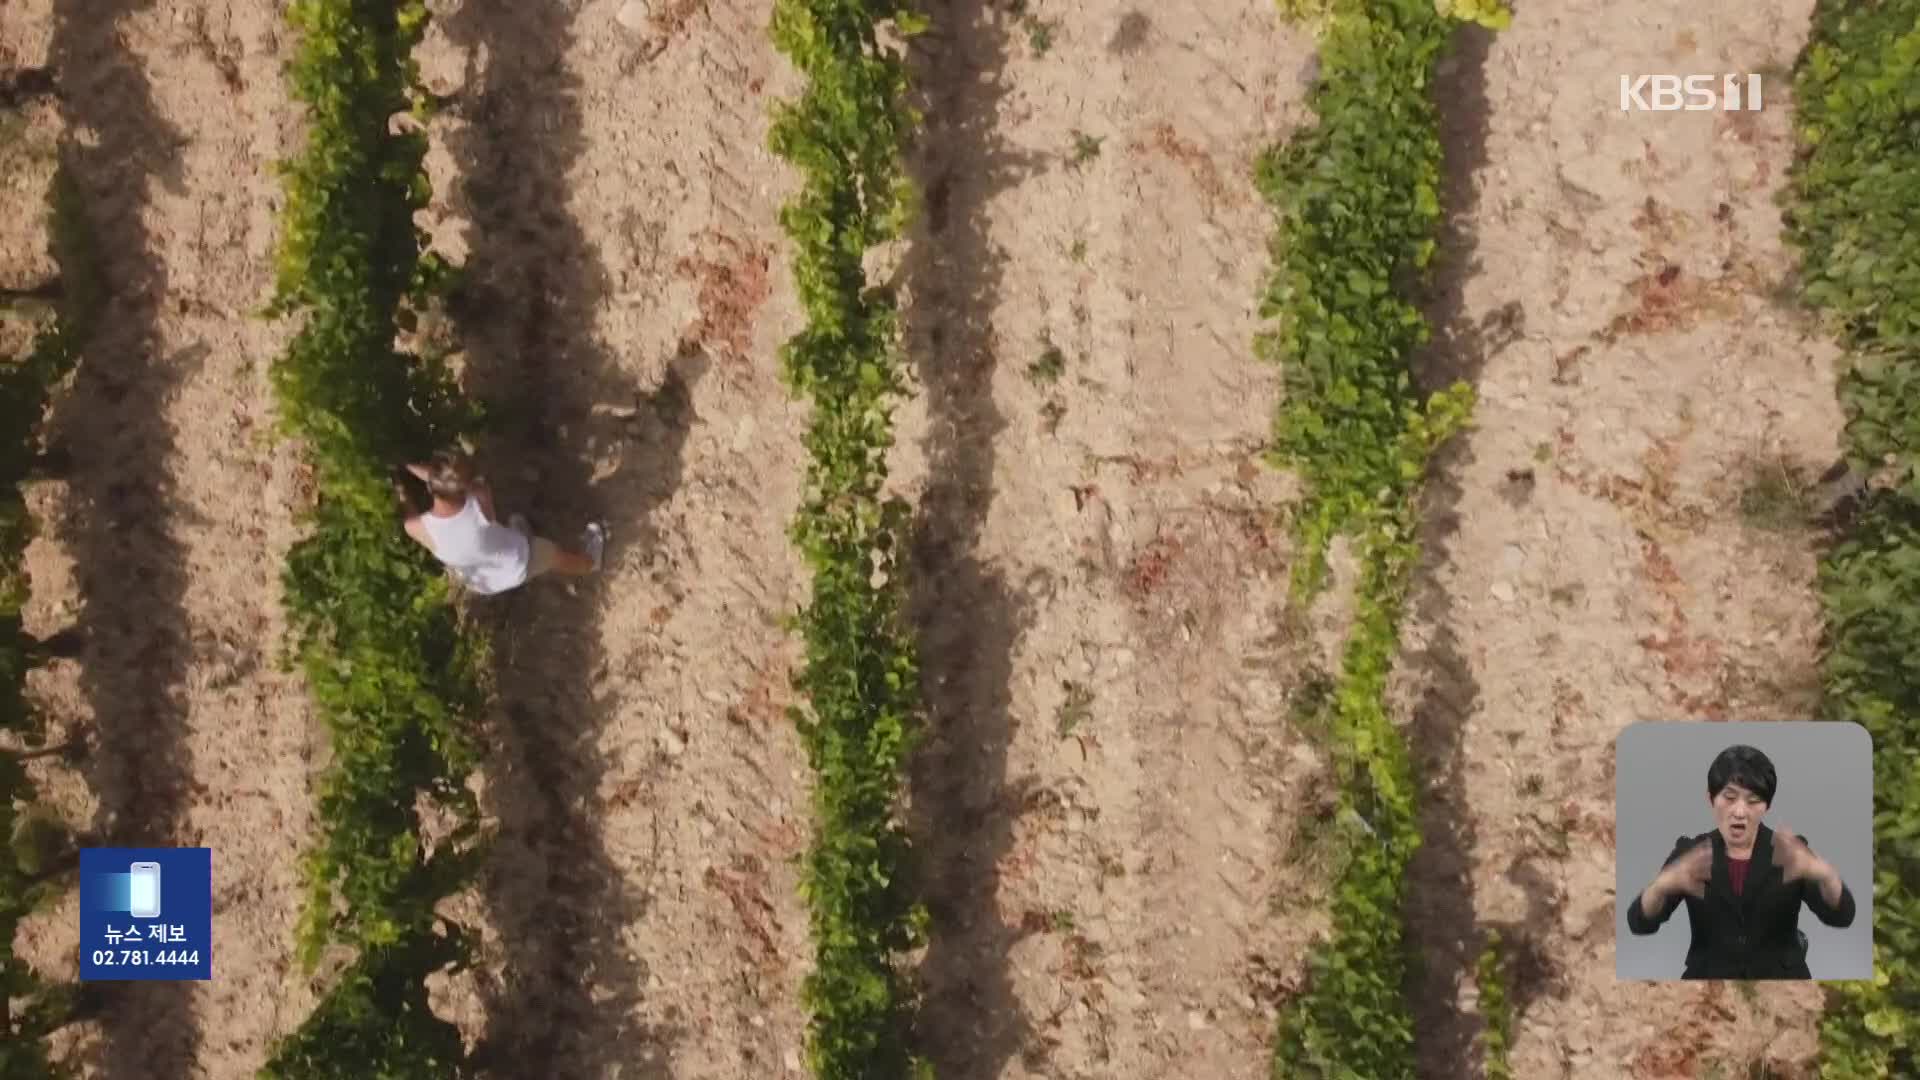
x,y
395,675
1490,976
846,134
1357,200
33,858
1853,210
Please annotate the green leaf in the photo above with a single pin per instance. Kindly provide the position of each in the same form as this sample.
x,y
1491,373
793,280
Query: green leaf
x,y
1884,1023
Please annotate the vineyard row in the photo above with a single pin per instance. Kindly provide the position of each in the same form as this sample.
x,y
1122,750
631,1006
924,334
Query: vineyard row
x,y
37,854
859,683
1854,213
1356,195
394,675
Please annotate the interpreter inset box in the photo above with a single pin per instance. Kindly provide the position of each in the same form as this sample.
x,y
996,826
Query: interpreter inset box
x,y
1744,850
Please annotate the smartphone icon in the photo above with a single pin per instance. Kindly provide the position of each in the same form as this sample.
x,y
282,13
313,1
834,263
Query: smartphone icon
x,y
143,893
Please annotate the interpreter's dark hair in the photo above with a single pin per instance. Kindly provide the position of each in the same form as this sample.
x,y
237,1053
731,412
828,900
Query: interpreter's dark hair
x,y
1745,766
450,474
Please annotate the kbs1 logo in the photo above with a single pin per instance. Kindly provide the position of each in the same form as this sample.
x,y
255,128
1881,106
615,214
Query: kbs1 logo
x,y
1691,93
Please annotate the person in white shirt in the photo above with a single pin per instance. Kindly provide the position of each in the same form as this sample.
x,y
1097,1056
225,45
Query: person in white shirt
x,y
462,530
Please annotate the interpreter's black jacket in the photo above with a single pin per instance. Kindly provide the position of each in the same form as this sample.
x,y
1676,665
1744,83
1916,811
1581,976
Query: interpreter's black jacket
x,y
1754,935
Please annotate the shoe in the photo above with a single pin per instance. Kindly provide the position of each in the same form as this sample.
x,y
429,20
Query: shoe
x,y
596,538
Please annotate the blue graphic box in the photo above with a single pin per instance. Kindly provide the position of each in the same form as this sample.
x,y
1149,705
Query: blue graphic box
x,y
146,913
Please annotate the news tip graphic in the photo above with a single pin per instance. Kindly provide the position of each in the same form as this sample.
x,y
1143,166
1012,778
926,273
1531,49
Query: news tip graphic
x,y
146,913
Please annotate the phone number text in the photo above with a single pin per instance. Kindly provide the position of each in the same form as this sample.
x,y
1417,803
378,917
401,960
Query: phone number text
x,y
142,957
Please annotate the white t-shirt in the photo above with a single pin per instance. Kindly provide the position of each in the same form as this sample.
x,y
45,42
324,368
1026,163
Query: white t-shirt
x,y
487,557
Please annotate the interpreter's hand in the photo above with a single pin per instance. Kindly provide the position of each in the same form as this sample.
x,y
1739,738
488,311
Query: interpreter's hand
x,y
1687,875
1796,860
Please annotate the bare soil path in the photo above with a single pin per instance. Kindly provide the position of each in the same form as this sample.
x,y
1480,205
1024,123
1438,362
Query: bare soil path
x,y
1100,802
605,180
1589,563
165,539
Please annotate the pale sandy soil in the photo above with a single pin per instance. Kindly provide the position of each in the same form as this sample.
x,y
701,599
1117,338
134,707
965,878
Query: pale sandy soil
x,y
612,193
1102,800
165,540
1110,796
1588,564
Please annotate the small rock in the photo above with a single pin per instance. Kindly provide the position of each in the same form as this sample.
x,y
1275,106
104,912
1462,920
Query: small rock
x,y
1502,592
1513,556
791,1059
757,1021
1196,1021
672,743
633,15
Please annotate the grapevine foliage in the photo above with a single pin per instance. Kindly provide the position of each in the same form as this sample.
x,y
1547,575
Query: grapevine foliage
x,y
375,1023
1357,199
846,134
1490,976
36,1008
1357,195
1854,213
394,674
